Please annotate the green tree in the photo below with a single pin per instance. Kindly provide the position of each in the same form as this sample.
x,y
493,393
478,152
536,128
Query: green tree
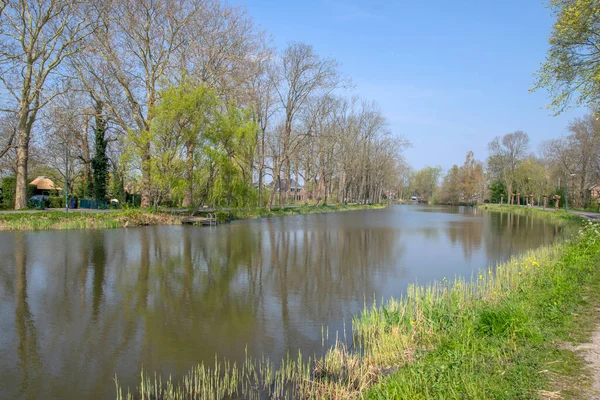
x,y
572,66
230,150
187,114
100,159
496,191
425,182
450,191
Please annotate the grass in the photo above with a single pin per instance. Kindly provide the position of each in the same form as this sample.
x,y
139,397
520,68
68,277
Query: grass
x,y
80,220
498,335
548,213
20,221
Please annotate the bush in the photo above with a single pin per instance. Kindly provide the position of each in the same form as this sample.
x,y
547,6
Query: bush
x,y
56,202
31,189
9,187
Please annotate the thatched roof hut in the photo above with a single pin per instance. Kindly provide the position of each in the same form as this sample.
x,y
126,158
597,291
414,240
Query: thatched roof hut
x,y
43,183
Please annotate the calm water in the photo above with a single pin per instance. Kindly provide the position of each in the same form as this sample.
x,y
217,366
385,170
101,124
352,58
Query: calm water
x,y
78,307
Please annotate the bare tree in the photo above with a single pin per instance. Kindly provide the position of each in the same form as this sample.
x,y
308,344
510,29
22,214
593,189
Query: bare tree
x,y
35,39
505,155
8,133
301,74
137,46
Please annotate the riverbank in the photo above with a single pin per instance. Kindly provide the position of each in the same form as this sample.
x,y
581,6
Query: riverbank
x,y
548,213
506,333
46,220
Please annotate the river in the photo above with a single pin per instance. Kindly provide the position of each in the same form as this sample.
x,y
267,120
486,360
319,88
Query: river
x,y
79,306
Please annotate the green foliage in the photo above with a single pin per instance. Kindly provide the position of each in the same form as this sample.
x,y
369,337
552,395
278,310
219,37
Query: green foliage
x,y
56,202
425,181
218,142
570,72
31,189
229,150
497,190
182,122
450,190
100,159
9,187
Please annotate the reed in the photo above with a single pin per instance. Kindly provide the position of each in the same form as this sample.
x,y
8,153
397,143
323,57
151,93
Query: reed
x,y
484,337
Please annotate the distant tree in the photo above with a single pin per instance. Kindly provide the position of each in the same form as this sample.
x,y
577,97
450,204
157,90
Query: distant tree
x,y
570,72
425,182
450,191
496,191
506,153
301,74
471,179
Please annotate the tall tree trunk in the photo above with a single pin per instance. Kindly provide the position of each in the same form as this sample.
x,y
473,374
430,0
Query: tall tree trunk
x,y
85,155
276,181
145,175
24,130
261,168
189,173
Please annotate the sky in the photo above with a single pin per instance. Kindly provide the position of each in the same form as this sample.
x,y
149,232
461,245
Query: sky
x,y
448,75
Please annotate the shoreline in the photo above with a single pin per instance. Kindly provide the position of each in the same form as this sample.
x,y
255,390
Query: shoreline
x,y
59,220
486,337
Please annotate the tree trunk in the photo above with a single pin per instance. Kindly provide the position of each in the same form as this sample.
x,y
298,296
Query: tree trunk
x,y
22,159
276,179
85,154
261,169
189,174
145,202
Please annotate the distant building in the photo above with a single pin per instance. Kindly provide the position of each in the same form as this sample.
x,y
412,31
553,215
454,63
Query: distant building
x,y
595,192
293,190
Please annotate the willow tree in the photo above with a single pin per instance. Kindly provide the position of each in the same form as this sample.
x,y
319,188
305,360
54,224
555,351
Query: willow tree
x,y
182,120
229,152
572,66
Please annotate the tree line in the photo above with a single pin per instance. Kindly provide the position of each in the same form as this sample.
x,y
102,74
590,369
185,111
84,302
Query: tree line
x,y
569,164
184,102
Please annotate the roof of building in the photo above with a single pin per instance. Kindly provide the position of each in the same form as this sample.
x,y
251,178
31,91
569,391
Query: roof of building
x,y
43,183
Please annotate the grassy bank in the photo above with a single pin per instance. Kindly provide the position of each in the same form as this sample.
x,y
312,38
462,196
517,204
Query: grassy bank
x,y
499,335
80,220
264,213
548,213
21,221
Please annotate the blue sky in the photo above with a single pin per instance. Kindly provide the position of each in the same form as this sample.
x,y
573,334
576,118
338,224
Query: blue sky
x,y
448,75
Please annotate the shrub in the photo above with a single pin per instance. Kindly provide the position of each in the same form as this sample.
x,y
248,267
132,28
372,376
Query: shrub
x,y
9,187
31,191
56,202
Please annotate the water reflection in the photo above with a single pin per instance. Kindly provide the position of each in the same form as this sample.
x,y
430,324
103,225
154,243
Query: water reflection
x,y
89,304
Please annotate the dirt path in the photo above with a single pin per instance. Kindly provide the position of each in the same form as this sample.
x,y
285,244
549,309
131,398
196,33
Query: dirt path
x,y
591,354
